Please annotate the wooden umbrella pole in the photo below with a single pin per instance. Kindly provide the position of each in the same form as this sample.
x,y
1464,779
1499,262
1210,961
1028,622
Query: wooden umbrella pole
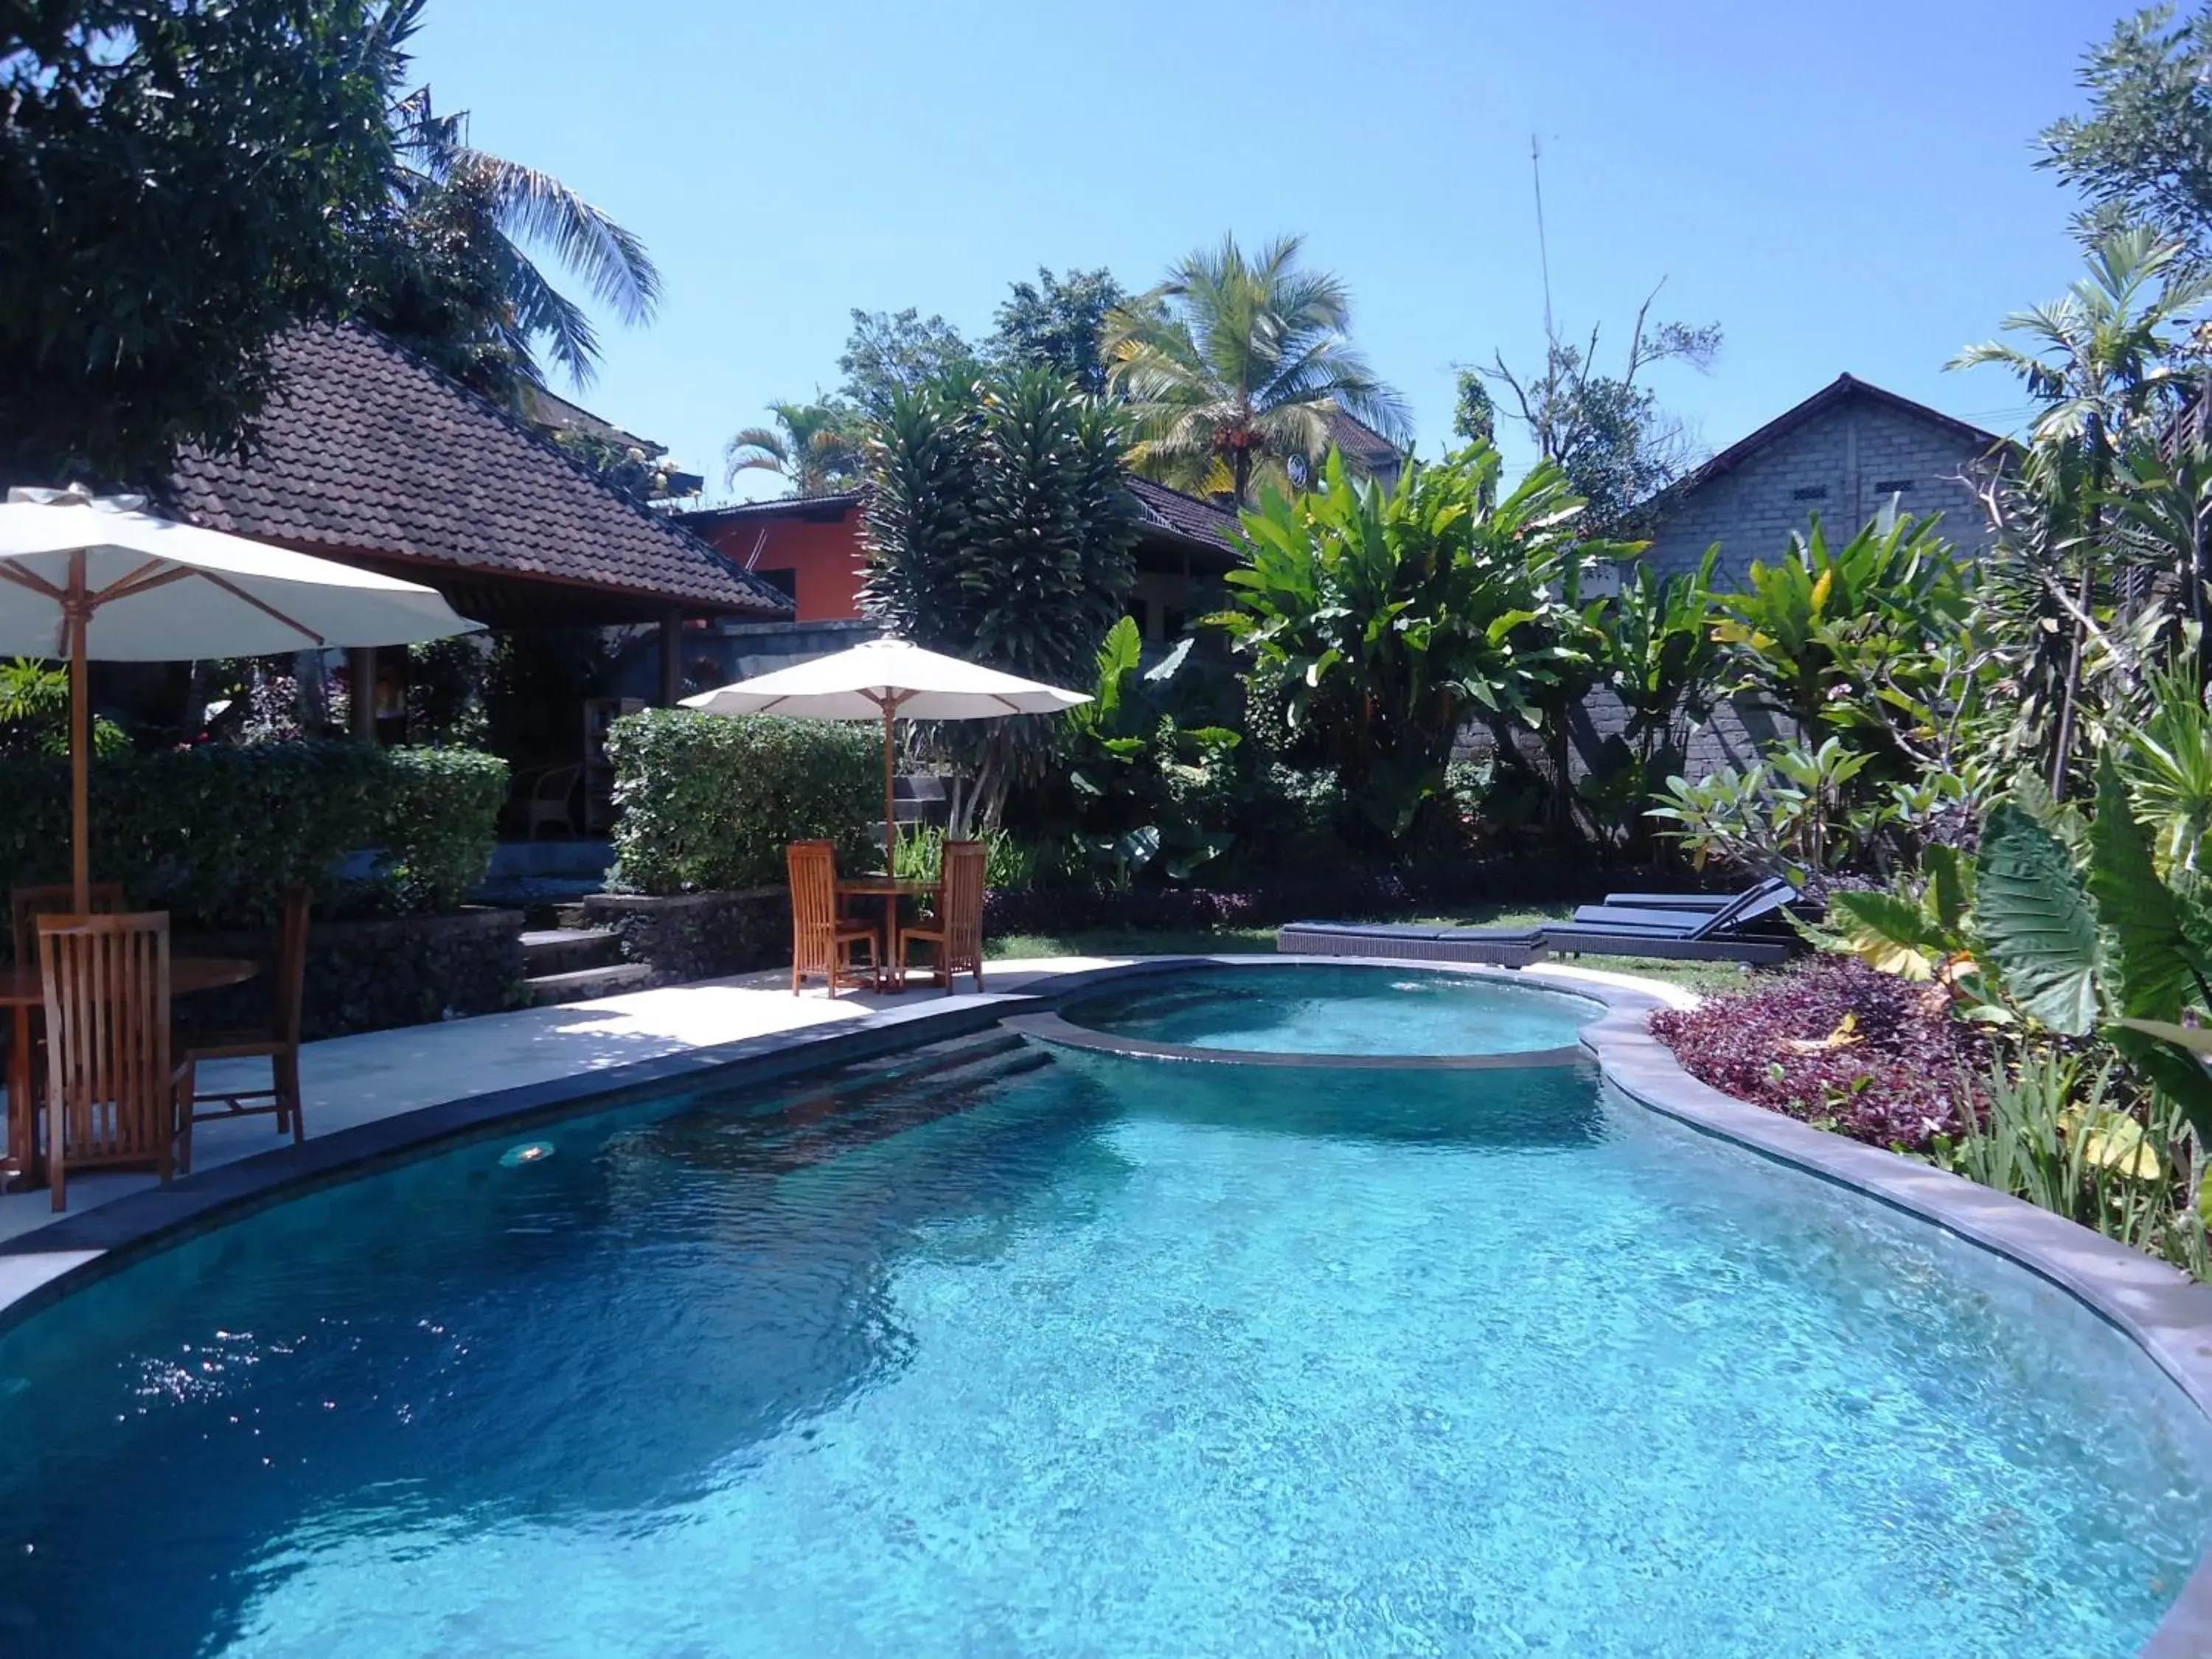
x,y
77,614
891,790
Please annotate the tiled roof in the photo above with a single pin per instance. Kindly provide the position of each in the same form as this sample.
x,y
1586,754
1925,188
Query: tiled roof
x,y
1159,507
1361,442
370,453
830,505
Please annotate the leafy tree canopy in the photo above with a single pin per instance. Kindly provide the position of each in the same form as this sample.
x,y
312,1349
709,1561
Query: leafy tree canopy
x,y
1475,412
2143,154
452,268
892,352
999,531
140,282
1058,323
1617,445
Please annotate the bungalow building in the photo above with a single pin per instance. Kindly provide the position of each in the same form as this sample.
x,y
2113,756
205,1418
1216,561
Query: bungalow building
x,y
370,456
1843,454
810,550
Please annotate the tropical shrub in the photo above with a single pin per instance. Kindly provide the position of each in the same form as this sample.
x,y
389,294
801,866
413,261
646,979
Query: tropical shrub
x,y
1663,658
34,713
2060,1133
1843,640
1836,1043
1388,619
440,823
2063,935
217,835
1146,791
709,802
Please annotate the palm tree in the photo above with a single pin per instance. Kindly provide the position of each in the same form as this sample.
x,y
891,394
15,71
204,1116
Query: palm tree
x,y
2106,363
469,221
1232,368
815,447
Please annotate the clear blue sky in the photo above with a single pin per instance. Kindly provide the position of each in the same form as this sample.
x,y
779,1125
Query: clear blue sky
x,y
1841,187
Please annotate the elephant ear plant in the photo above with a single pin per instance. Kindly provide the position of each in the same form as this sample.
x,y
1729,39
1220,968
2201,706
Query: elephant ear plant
x,y
2055,929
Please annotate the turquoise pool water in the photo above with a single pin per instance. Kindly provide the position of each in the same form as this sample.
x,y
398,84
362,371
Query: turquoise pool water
x,y
1109,1358
1341,1011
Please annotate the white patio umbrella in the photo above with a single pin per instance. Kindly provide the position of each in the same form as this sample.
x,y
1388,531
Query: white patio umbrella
x,y
82,577
888,679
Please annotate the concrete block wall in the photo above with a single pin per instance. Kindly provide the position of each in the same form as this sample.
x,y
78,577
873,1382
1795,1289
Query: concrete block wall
x,y
1843,465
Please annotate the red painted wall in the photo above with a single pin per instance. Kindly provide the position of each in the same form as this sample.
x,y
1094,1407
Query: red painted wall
x,y
824,558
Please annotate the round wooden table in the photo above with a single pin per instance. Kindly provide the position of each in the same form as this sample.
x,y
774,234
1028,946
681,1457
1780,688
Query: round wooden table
x,y
23,992
889,974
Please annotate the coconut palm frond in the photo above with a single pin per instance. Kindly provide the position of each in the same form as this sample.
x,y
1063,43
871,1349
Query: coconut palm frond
x,y
755,449
1247,355
534,207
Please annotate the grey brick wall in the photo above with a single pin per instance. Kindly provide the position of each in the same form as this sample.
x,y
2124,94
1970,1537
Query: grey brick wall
x,y
1841,465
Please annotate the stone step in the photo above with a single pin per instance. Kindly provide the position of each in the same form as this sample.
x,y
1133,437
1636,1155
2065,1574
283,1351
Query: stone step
x,y
563,949
584,984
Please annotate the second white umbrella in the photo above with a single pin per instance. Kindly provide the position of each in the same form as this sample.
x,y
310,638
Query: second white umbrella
x,y
887,679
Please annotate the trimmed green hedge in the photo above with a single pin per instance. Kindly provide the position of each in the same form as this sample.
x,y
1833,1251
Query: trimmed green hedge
x,y
215,835
709,802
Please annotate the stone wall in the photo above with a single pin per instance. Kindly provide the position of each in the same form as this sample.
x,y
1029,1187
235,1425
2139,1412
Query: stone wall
x,y
693,936
370,976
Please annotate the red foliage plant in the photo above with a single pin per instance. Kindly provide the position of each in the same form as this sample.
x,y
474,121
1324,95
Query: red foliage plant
x,y
1901,1071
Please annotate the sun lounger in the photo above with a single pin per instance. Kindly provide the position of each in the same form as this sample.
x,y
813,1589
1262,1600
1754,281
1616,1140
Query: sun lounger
x,y
1403,942
1647,928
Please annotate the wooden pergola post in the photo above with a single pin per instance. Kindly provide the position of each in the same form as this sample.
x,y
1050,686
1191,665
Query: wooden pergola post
x,y
361,675
671,658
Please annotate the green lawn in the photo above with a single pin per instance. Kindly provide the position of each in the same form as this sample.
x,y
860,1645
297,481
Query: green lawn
x,y
1701,976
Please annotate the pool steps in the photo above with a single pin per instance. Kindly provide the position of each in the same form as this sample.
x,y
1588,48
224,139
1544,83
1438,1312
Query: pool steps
x,y
872,1100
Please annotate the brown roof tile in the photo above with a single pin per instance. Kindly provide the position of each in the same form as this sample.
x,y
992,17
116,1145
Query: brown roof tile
x,y
369,451
1159,507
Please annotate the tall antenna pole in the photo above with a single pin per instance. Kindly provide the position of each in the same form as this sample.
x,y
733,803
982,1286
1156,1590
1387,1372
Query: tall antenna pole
x,y
1543,248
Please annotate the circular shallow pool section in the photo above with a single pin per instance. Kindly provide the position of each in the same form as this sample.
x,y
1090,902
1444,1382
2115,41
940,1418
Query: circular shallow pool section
x,y
1298,1008
1070,1353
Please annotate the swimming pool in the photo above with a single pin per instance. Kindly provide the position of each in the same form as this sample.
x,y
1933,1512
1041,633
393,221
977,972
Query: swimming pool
x,y
1050,1352
1339,1009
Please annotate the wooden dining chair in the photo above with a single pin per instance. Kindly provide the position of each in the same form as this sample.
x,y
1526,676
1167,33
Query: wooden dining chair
x,y
25,904
956,929
279,1043
112,1098
821,941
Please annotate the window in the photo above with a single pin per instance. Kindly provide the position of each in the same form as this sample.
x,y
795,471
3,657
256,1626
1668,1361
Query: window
x,y
1893,487
1810,493
785,582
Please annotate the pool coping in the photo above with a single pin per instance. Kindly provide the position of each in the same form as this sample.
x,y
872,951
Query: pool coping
x,y
2160,1309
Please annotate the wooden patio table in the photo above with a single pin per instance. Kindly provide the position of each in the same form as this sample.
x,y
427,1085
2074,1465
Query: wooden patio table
x,y
890,889
23,992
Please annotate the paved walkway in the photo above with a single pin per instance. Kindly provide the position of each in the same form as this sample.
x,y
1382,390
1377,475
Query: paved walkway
x,y
357,1079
